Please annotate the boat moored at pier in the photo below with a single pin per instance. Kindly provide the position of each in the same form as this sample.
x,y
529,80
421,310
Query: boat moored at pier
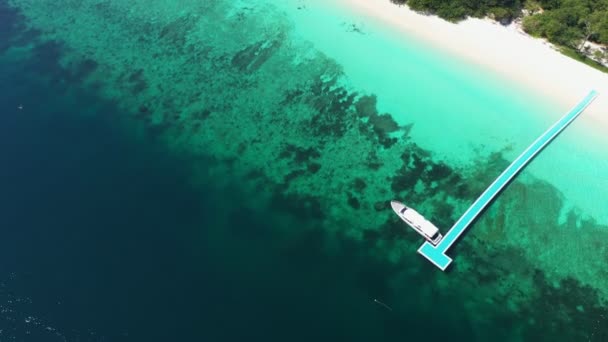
x,y
417,222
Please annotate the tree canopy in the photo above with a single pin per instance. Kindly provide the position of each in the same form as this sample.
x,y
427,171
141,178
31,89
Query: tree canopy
x,y
566,22
570,22
455,10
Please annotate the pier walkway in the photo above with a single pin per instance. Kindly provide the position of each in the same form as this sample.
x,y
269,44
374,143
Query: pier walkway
x,y
436,254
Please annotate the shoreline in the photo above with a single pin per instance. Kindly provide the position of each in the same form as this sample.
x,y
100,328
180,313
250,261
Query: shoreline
x,y
541,84
506,51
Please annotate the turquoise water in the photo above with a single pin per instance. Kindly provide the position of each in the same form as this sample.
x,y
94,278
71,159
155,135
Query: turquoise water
x,y
312,118
441,94
437,254
459,109
457,114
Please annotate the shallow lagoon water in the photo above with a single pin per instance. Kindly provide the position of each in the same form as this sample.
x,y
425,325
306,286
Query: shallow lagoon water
x,y
223,102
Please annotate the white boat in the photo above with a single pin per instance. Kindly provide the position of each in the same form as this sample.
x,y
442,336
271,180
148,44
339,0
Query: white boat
x,y
417,222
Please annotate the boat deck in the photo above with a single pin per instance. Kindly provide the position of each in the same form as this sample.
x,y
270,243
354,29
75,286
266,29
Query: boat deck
x,y
436,254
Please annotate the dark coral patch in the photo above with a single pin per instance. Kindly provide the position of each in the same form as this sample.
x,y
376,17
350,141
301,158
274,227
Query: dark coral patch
x,y
572,304
373,162
366,106
173,36
251,58
241,148
293,175
302,155
353,202
359,185
383,124
410,172
387,142
292,96
201,114
374,165
402,183
314,167
299,154
136,76
137,81
442,215
143,113
333,106
437,172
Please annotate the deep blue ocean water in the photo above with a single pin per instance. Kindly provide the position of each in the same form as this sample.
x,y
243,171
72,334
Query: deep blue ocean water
x,y
103,238
91,220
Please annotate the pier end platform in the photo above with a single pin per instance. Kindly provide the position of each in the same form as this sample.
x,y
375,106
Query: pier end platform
x,y
435,255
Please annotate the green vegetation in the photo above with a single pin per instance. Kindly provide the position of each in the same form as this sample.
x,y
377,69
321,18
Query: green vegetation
x,y
454,10
566,23
572,53
570,22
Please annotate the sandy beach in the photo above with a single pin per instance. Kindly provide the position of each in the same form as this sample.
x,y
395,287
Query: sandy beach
x,y
505,50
